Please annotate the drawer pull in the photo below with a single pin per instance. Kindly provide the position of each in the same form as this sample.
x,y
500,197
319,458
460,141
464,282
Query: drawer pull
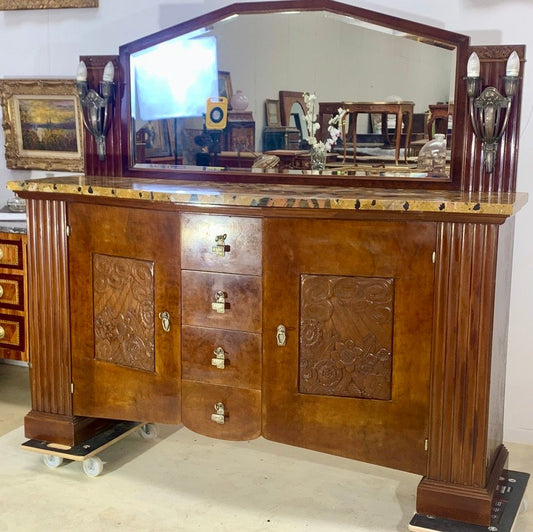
x,y
220,249
220,358
219,416
281,335
1,291
220,304
2,332
1,253
165,320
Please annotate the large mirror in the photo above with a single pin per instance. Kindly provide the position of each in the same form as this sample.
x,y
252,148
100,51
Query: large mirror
x,y
396,81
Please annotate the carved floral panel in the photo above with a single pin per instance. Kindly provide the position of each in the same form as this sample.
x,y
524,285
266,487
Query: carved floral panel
x,y
346,328
123,294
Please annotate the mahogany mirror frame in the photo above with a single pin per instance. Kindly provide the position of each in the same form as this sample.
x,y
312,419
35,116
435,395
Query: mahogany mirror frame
x,y
423,32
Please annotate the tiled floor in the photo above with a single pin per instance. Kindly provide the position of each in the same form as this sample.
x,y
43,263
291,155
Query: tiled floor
x,y
185,482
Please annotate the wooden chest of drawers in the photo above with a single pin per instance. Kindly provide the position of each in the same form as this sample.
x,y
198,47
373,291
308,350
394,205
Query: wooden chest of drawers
x,y
13,294
221,325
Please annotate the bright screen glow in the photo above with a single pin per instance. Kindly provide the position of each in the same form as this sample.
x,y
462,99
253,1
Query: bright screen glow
x,y
175,78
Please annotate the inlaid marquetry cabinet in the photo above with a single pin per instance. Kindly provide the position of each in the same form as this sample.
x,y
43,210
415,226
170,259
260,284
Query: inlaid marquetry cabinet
x,y
13,296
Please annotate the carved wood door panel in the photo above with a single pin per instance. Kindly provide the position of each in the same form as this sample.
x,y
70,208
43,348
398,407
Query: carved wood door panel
x,y
356,301
124,278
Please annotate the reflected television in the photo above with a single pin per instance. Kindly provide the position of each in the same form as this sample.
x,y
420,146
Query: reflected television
x,y
174,79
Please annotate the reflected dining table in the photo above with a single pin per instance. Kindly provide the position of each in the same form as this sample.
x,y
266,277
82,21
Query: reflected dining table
x,y
397,108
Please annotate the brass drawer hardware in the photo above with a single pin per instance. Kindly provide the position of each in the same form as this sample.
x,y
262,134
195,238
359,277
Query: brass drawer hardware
x,y
2,332
281,335
220,358
220,249
165,320
220,304
1,291
1,253
219,417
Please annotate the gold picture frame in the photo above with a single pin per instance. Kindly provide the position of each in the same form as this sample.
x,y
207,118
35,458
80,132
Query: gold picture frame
x,y
273,118
224,86
10,5
43,124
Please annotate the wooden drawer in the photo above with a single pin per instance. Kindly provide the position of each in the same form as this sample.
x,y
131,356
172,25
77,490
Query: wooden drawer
x,y
242,307
242,419
12,332
11,291
241,362
11,253
242,245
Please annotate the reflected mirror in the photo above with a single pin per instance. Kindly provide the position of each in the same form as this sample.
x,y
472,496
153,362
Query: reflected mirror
x,y
205,96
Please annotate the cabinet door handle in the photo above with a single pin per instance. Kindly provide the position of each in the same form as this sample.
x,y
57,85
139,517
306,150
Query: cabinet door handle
x,y
2,332
165,320
281,335
1,291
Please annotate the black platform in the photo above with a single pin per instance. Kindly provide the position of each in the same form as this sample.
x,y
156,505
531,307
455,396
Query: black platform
x,y
511,490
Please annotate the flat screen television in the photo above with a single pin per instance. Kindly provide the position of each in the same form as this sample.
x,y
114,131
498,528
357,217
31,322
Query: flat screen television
x,y
174,79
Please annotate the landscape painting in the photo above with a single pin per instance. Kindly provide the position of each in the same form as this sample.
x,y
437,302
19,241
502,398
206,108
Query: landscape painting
x,y
42,124
47,124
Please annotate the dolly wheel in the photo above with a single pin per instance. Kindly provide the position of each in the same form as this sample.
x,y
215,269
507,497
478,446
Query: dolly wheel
x,y
93,466
52,461
149,431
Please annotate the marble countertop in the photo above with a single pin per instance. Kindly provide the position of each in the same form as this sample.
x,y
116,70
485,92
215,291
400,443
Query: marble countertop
x,y
207,193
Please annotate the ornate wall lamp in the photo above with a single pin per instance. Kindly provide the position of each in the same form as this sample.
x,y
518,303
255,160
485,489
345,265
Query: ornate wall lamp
x,y
489,110
96,112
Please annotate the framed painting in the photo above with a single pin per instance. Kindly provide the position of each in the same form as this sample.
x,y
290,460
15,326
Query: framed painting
x,y
42,123
158,142
272,113
9,5
224,86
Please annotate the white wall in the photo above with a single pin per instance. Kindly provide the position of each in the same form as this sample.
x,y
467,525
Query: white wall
x,y
47,43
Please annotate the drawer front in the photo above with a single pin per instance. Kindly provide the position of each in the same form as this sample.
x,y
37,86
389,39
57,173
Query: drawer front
x,y
239,252
11,253
11,291
230,358
242,410
241,310
12,332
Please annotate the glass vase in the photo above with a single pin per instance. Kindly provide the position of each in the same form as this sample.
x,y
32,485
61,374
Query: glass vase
x,y
318,157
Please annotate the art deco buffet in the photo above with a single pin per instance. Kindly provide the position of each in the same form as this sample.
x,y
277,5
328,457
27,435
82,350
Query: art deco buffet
x,y
203,271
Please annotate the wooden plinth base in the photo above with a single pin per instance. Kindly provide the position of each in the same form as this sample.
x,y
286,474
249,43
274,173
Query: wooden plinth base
x,y
505,507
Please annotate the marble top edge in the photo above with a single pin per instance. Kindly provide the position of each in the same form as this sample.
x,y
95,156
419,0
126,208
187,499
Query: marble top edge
x,y
278,195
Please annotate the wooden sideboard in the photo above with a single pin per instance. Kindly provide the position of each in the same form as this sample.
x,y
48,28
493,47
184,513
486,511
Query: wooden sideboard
x,y
367,324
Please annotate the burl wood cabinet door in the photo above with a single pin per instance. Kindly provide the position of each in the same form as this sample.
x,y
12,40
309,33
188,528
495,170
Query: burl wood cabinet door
x,y
124,277
351,374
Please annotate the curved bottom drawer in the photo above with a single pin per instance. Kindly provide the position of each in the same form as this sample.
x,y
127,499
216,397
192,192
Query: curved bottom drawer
x,y
241,416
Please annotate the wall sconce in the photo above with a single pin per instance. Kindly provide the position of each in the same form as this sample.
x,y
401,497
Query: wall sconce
x,y
489,110
96,112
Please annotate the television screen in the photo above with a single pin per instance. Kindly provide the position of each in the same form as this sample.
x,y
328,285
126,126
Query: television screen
x,y
174,79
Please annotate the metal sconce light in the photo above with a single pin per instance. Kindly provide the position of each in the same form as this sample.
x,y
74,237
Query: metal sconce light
x,y
489,110
96,112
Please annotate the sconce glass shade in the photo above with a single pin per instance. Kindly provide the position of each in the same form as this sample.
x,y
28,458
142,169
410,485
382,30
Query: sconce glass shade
x,y
473,66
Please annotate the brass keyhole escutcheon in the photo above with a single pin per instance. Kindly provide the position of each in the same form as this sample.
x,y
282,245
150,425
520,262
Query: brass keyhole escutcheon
x,y
220,249
1,291
220,304
220,358
165,320
2,332
220,414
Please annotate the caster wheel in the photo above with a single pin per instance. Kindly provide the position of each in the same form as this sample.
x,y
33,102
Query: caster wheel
x,y
149,431
52,461
93,466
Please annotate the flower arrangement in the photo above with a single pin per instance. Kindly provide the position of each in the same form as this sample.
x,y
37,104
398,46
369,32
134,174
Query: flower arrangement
x,y
334,125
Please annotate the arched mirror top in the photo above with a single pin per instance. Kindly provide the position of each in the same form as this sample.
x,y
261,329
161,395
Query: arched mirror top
x,y
399,83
